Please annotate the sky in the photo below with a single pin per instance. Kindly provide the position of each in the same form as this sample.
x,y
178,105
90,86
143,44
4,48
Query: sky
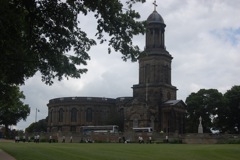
x,y
203,36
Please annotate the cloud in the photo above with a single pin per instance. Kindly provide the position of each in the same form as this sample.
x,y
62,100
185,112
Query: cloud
x,y
202,35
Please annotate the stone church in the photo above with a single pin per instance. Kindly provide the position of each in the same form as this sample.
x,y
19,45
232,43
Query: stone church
x,y
153,103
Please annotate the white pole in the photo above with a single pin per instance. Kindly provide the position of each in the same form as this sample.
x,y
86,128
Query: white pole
x,y
36,115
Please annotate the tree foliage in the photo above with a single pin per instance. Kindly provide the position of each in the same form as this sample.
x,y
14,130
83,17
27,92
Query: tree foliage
x,y
229,116
12,109
204,103
37,35
40,126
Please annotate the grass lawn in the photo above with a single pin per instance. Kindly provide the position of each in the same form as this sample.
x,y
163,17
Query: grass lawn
x,y
110,151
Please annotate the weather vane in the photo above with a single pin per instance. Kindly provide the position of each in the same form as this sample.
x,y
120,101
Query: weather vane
x,y
155,5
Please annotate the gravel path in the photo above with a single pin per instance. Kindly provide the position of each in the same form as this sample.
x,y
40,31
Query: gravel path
x,y
5,156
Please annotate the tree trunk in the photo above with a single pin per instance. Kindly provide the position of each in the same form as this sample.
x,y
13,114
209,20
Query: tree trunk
x,y
6,133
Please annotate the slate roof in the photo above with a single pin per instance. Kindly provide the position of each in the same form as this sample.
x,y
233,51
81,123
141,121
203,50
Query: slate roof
x,y
174,103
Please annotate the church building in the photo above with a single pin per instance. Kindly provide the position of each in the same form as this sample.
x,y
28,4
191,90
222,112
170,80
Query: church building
x,y
153,104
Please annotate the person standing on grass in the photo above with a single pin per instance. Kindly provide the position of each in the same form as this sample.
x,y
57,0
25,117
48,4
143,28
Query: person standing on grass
x,y
150,139
166,139
16,139
71,139
50,139
38,138
119,139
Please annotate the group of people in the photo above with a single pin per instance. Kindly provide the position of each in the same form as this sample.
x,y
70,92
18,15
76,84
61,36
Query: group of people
x,y
24,139
123,140
141,140
63,139
36,138
17,139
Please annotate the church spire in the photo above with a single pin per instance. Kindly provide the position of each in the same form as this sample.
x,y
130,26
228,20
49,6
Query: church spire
x,y
155,5
155,39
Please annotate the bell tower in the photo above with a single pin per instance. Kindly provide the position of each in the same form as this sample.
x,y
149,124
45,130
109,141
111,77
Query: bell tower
x,y
154,103
155,31
155,65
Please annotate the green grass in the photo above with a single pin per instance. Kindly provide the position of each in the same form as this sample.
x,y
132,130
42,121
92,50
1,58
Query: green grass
x,y
111,151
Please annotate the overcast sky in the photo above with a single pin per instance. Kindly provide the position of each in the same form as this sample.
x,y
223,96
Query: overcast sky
x,y
203,36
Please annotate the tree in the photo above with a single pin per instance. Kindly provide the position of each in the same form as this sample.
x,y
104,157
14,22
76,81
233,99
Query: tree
x,y
40,126
38,35
229,116
204,103
12,109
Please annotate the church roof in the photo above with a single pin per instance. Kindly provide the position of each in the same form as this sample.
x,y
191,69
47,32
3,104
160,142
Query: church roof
x,y
155,17
172,102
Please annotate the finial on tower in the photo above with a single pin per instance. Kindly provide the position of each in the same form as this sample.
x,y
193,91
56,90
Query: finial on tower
x,y
155,5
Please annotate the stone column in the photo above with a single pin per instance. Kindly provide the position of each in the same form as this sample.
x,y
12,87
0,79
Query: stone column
x,y
200,128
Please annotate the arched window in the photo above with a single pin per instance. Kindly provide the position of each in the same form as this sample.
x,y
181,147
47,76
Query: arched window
x,y
135,122
89,115
74,115
60,115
